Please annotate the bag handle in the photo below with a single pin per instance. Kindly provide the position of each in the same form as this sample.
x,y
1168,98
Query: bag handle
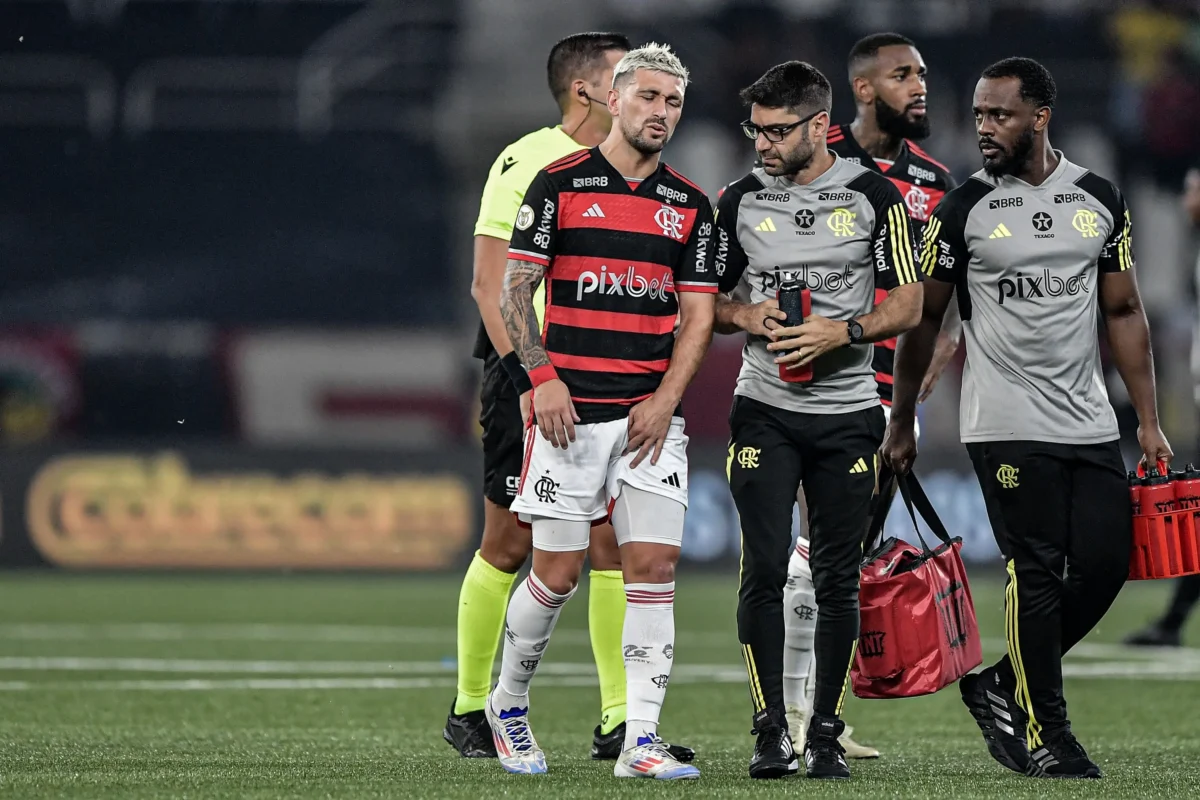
x,y
915,501
915,498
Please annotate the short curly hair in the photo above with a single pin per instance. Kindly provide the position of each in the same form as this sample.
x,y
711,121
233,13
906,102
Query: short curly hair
x,y
1037,84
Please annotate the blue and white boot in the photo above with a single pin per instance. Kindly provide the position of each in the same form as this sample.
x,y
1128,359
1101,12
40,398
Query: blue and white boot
x,y
516,748
650,758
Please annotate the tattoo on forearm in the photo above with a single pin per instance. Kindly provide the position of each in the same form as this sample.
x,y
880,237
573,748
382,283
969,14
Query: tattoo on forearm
x,y
520,319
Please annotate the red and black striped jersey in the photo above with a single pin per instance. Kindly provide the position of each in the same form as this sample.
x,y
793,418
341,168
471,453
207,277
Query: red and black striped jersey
x,y
923,183
616,252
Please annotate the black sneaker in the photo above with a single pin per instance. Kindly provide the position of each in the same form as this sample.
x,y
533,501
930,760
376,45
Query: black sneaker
x,y
1062,757
608,746
998,716
774,756
824,756
1154,636
469,734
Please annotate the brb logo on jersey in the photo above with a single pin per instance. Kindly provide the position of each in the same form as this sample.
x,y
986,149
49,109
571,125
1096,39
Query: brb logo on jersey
x,y
670,194
1042,284
625,283
671,222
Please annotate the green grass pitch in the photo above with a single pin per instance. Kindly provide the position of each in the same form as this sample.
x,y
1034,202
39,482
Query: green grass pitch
x,y
337,687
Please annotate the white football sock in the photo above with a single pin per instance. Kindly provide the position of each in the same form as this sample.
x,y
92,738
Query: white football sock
x,y
649,644
532,612
799,632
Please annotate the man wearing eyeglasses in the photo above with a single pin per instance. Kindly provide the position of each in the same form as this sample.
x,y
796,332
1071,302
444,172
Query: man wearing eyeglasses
x,y
844,230
887,76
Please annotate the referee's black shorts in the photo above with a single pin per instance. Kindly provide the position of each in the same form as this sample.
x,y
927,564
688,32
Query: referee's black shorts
x,y
772,450
503,433
1062,519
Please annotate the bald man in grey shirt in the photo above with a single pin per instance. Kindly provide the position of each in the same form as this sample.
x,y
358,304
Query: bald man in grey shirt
x,y
1034,246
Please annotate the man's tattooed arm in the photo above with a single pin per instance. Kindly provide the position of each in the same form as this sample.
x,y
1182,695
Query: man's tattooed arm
x,y
520,319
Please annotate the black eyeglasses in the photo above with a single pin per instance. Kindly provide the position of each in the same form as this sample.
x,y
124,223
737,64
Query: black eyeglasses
x,y
775,133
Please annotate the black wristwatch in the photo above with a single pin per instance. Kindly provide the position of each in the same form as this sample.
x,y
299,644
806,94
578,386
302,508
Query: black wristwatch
x,y
854,331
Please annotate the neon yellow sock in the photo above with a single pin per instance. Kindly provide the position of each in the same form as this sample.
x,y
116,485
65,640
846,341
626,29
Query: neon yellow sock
x,y
606,621
482,604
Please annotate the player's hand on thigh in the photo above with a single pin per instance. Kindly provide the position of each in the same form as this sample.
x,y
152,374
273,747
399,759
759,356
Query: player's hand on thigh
x,y
555,412
649,423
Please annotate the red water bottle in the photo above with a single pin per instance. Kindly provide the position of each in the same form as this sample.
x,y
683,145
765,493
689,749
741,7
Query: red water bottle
x,y
1187,489
1158,495
795,300
1135,491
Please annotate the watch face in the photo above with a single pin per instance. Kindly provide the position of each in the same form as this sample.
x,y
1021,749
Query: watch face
x,y
856,332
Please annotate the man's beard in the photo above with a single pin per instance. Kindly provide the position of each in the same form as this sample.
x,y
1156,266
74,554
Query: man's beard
x,y
1010,163
643,144
794,162
897,124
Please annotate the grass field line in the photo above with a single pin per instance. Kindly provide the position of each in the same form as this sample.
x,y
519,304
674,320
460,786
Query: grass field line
x,y
697,675
273,632
573,673
381,634
214,666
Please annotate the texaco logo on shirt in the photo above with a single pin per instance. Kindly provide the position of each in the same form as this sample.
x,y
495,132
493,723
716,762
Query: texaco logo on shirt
x,y
671,222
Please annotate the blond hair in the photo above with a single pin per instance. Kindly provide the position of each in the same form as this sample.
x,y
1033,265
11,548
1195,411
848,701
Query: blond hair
x,y
652,56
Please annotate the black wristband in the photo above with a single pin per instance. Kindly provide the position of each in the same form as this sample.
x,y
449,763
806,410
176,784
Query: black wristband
x,y
516,372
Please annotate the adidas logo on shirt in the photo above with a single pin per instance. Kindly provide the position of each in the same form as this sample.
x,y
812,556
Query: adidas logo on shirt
x,y
859,467
1001,232
767,226
594,211
672,480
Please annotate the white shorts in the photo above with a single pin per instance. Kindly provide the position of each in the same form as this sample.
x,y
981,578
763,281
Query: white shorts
x,y
579,483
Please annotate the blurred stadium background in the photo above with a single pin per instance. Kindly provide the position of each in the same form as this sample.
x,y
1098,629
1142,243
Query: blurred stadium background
x,y
235,323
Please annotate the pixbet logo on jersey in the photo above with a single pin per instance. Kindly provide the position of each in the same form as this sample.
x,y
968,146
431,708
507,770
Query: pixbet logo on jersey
x,y
625,283
768,282
1041,284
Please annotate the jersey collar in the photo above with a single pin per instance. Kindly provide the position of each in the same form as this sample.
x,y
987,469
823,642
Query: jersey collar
x,y
866,159
822,181
1051,179
647,184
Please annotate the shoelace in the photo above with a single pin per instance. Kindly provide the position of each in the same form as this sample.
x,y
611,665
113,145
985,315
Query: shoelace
x,y
827,745
476,738
1068,746
771,738
659,748
518,733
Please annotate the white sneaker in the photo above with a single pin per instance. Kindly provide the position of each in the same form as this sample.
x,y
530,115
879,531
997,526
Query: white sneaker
x,y
516,748
854,749
653,760
797,721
